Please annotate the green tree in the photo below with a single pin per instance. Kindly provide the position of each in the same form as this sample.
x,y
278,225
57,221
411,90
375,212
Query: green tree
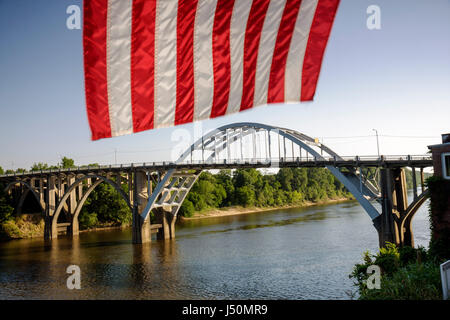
x,y
107,205
1,170
224,178
6,210
285,177
248,187
187,209
67,163
299,179
245,196
39,166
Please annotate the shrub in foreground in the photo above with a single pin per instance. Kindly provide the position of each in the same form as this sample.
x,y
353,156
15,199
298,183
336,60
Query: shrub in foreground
x,y
406,274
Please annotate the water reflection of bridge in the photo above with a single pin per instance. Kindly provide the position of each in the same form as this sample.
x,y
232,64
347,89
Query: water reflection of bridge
x,y
162,187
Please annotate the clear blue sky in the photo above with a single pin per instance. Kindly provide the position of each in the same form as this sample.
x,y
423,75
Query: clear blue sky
x,y
396,80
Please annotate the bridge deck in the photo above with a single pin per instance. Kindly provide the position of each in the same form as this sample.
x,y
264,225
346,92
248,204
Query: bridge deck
x,y
363,161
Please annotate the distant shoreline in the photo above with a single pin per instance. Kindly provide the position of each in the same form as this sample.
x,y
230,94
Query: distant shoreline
x,y
236,210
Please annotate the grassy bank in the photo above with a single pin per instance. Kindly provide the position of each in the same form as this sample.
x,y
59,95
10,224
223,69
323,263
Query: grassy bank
x,y
23,226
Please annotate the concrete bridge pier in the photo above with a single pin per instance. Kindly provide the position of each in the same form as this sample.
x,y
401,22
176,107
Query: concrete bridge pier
x,y
141,229
172,220
51,227
141,226
162,218
395,222
165,222
74,228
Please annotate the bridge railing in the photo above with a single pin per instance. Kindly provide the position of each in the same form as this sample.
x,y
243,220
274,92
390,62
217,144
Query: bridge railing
x,y
241,161
379,159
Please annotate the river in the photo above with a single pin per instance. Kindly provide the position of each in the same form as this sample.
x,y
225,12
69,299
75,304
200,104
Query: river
x,y
302,253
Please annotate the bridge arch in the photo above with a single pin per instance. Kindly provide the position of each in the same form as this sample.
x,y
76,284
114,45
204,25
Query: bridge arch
x,y
243,129
222,138
81,202
23,196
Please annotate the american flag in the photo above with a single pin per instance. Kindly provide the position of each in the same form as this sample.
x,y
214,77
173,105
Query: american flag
x,y
158,63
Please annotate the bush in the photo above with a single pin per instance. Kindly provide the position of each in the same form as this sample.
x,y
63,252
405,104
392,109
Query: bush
x,y
388,259
406,273
415,281
9,230
6,210
24,226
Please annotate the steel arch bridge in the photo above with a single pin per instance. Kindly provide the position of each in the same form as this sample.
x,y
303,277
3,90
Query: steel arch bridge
x,y
162,187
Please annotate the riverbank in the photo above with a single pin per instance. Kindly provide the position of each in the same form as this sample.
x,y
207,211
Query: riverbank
x,y
237,210
25,226
28,226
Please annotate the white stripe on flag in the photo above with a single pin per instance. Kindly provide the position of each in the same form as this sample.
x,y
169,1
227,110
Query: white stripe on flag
x,y
266,49
203,61
294,63
165,63
118,66
239,19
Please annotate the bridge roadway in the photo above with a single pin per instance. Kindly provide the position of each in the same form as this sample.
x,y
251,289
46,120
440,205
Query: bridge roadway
x,y
391,161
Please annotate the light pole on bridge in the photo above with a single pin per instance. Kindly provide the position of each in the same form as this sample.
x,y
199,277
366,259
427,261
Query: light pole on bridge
x,y
378,145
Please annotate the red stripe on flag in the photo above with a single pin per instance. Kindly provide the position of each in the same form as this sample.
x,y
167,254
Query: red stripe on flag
x,y
184,111
280,54
317,41
94,47
221,57
143,64
253,32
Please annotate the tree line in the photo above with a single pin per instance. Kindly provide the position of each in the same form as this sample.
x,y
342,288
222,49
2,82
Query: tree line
x,y
251,188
